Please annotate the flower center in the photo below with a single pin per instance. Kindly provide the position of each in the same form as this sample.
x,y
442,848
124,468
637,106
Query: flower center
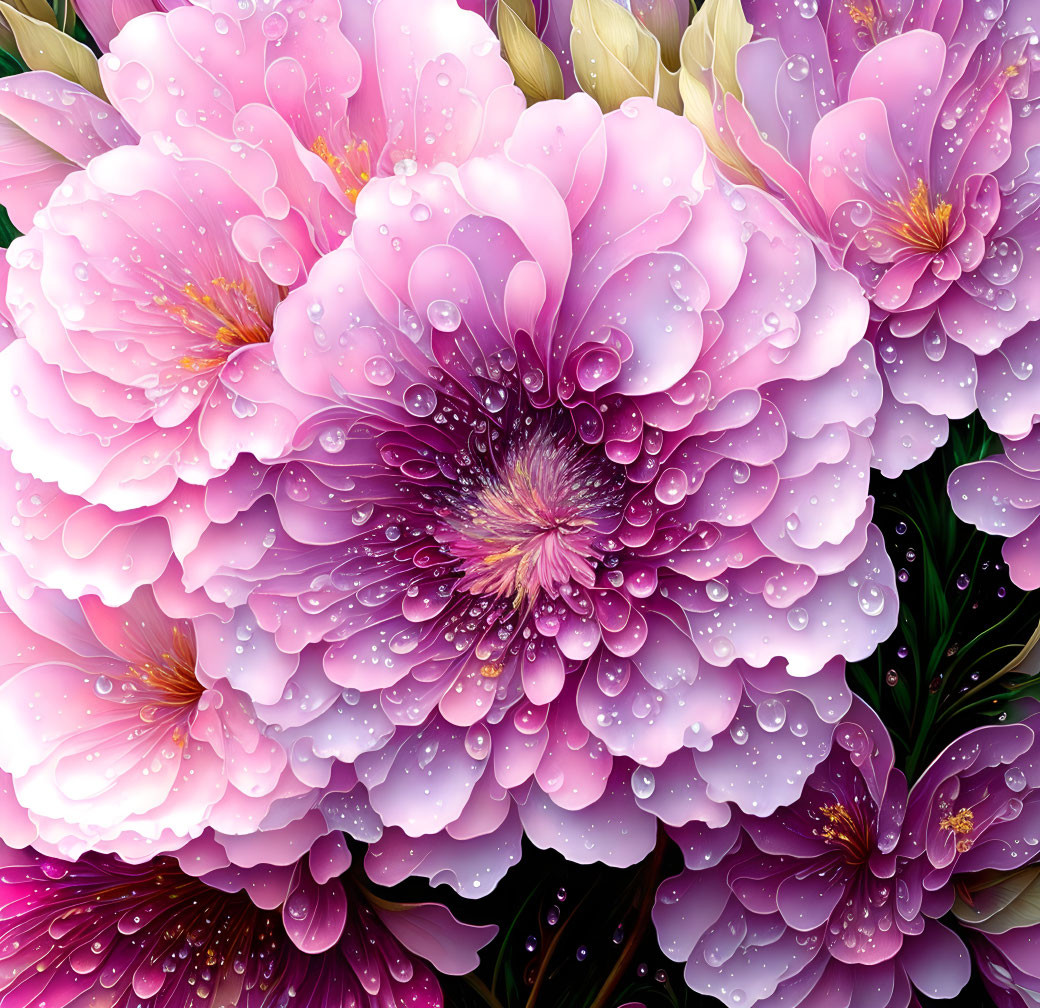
x,y
230,314
351,165
166,685
864,15
847,830
188,936
916,223
533,523
960,824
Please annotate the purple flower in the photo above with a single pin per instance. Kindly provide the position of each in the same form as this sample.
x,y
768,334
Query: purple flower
x,y
129,935
589,491
901,135
844,887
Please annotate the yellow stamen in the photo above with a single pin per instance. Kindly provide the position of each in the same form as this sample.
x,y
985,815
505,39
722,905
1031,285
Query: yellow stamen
x,y
921,226
232,317
352,168
170,678
491,670
865,17
840,821
961,822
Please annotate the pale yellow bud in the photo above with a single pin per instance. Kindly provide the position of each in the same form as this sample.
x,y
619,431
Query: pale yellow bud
x,y
661,18
616,58
708,73
535,69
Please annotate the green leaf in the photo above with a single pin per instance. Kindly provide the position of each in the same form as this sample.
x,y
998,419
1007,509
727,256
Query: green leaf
x,y
1000,901
961,620
44,47
8,232
65,16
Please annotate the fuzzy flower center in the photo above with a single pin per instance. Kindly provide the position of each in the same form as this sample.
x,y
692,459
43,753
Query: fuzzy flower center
x,y
531,524
961,824
226,315
163,686
848,830
916,222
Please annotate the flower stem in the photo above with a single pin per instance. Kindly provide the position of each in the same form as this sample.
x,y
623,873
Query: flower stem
x,y
651,869
483,990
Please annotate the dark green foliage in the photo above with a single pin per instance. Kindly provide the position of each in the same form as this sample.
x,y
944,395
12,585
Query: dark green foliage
x,y
8,232
961,618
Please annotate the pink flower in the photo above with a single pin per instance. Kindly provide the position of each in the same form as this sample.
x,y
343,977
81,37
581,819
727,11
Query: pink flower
x,y
1001,496
843,890
148,290
146,352
901,136
589,491
817,898
100,929
117,741
335,93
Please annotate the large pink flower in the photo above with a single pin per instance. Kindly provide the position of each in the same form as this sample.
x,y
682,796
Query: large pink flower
x,y
591,484
147,290
116,740
336,92
146,357
902,135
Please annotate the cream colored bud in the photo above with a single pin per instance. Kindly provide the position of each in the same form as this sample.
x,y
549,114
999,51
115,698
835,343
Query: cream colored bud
x,y
661,18
535,69
708,73
615,57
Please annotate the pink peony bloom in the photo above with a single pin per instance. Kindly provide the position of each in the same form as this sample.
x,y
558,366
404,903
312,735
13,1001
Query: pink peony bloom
x,y
100,930
116,740
336,93
1001,496
152,366
590,489
901,135
145,359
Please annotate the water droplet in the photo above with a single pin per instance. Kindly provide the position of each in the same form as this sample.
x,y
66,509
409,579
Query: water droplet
x,y
444,315
722,646
420,400
771,714
333,439
716,591
871,598
797,68
1015,779
643,782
